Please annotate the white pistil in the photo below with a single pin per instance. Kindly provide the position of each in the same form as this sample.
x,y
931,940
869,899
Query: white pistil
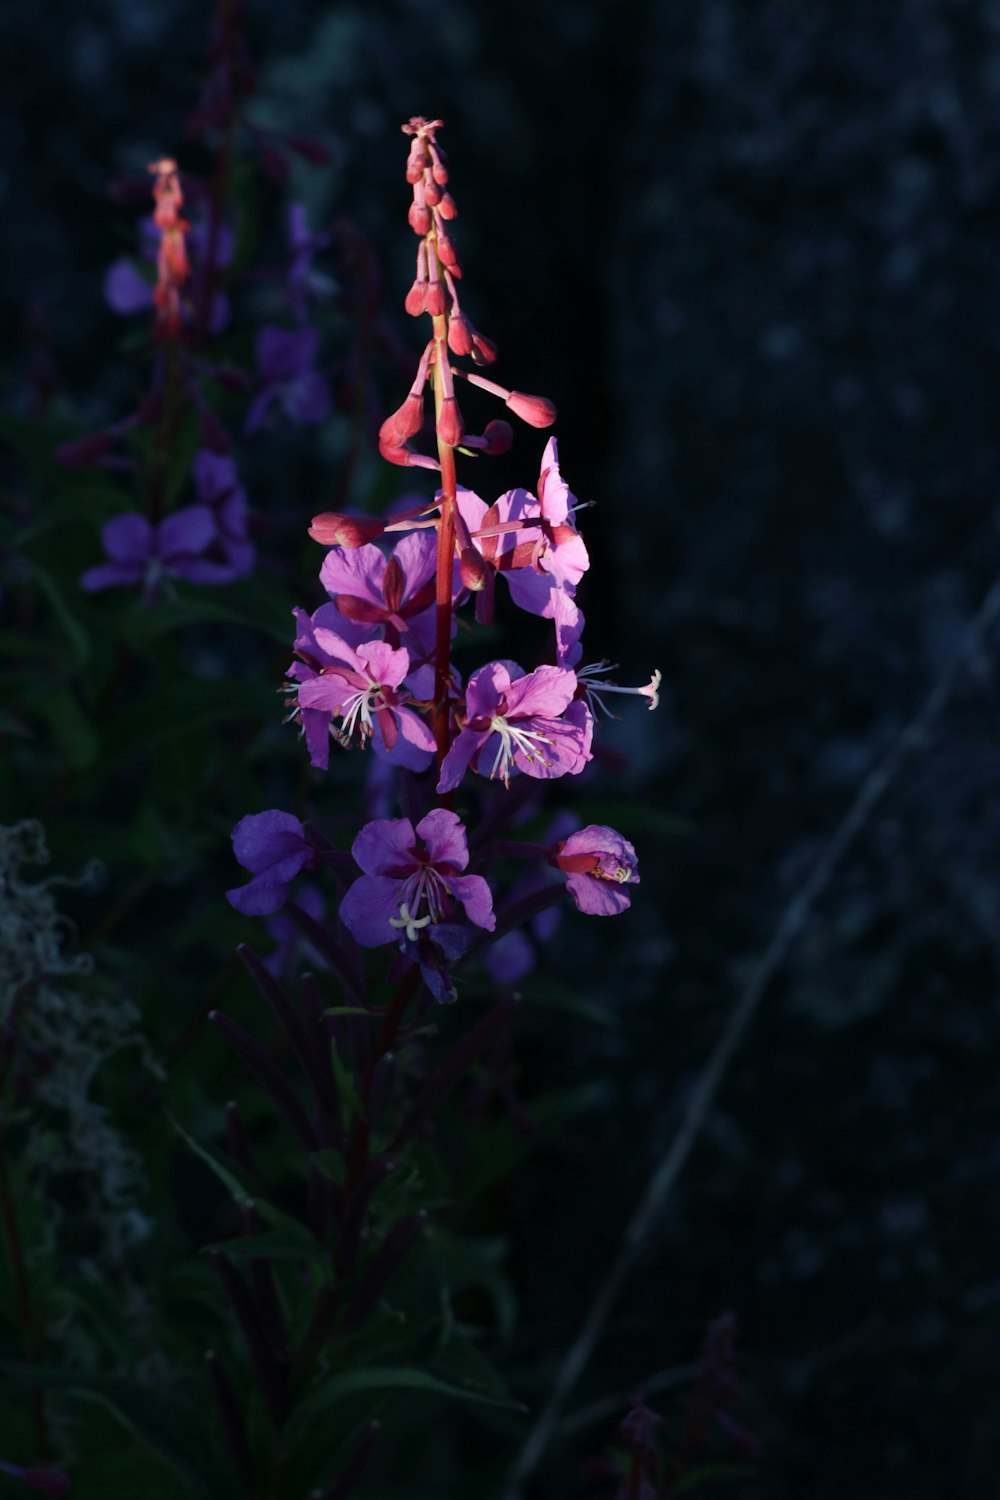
x,y
513,739
411,925
589,677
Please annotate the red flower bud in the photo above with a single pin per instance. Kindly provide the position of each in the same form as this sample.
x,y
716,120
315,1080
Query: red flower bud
x,y
432,193
446,251
535,410
416,299
332,529
460,334
484,351
404,423
473,570
446,208
498,438
436,300
417,162
438,171
419,218
449,425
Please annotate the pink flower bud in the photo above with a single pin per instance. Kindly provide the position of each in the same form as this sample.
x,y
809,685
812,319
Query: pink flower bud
x,y
419,218
404,423
438,171
449,426
416,299
535,410
446,208
446,251
417,162
460,334
474,570
332,529
484,351
498,438
436,300
432,193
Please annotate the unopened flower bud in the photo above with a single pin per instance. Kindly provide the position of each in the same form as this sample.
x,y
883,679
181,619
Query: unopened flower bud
x,y
446,208
484,351
419,218
432,193
449,425
333,529
460,334
417,163
446,251
474,570
436,300
416,299
537,411
404,423
406,458
438,170
498,438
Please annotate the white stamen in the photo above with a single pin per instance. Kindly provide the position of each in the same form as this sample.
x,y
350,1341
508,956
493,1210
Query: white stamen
x,y
512,739
410,924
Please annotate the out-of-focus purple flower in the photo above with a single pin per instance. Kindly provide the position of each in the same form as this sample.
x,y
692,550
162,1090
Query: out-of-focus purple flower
x,y
377,598
292,945
521,722
142,553
413,880
597,862
51,1482
363,689
286,362
272,845
302,280
218,487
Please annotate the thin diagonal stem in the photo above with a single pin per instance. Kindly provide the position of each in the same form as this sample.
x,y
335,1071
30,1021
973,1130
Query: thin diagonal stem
x,y
791,923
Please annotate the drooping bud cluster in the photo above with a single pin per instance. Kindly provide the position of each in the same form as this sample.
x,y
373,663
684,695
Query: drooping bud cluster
x,y
434,291
172,265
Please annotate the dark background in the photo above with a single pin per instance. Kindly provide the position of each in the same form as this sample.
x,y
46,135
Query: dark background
x,y
750,249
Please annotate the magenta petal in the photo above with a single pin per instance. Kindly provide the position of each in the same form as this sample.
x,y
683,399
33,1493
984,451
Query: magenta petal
x,y
329,692
547,692
486,688
531,591
569,623
444,834
335,648
417,556
369,908
214,476
187,530
316,727
413,749
266,840
128,538
596,838
386,664
598,898
477,898
358,571
385,844
455,762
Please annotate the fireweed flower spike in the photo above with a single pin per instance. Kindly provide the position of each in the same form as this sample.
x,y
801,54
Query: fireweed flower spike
x,y
413,880
172,266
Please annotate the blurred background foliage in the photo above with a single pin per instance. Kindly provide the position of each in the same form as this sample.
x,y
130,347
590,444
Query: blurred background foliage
x,y
750,250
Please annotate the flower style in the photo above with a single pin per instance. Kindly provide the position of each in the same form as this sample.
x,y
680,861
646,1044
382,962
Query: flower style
x,y
272,846
375,597
142,553
361,688
413,880
598,862
286,361
520,722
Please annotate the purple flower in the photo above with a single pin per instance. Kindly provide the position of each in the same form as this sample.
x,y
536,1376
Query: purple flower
x,y
361,688
532,542
218,487
272,846
142,553
598,862
412,880
286,360
376,597
518,722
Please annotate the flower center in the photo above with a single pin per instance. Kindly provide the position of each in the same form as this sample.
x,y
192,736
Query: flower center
x,y
512,740
427,888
